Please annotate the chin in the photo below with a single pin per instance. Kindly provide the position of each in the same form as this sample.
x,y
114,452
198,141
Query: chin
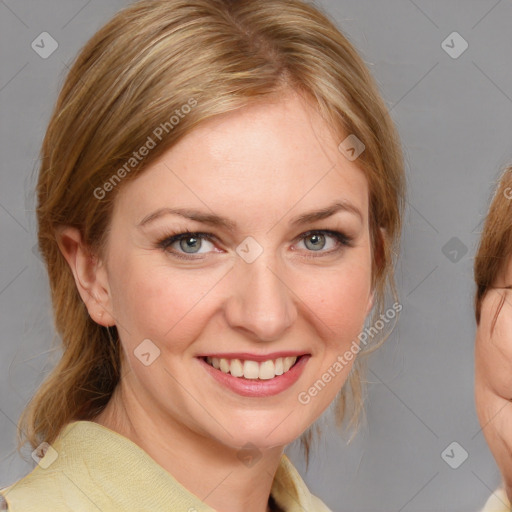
x,y
265,432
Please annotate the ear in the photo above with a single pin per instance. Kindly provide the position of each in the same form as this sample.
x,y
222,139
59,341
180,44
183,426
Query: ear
x,y
90,275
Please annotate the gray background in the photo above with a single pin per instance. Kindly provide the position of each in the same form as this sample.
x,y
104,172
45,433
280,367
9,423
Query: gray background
x,y
455,120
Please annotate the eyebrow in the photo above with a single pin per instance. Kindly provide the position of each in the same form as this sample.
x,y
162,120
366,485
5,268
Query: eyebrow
x,y
216,220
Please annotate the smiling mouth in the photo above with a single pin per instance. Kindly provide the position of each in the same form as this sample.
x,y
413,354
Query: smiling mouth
x,y
253,370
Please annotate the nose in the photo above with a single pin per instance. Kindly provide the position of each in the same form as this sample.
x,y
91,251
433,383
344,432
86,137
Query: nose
x,y
261,303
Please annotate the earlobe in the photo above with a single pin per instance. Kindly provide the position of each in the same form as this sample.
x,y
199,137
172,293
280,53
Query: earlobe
x,y
89,272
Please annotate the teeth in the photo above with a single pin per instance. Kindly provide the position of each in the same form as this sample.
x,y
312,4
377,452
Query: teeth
x,y
279,367
288,362
236,368
224,365
252,369
267,370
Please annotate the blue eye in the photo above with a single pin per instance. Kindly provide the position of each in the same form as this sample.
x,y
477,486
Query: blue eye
x,y
189,243
319,240
186,245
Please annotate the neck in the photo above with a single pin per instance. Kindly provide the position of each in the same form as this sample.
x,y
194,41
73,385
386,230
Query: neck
x,y
210,470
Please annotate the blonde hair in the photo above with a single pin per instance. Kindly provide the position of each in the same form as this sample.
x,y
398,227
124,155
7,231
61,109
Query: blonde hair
x,y
151,59
495,246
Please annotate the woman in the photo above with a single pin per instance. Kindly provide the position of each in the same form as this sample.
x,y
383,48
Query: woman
x,y
493,351
219,206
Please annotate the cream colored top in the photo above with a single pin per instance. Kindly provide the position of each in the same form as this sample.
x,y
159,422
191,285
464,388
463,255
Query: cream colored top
x,y
90,468
498,502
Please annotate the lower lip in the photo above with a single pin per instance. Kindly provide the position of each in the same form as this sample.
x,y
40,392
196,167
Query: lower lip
x,y
257,387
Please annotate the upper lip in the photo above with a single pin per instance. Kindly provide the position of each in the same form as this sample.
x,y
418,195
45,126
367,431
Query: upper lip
x,y
255,357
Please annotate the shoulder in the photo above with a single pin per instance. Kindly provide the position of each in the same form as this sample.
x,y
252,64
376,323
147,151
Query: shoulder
x,y
318,505
498,502
289,489
34,492
50,486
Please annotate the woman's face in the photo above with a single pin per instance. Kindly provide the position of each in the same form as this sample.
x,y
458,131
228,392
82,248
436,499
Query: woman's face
x,y
493,373
281,271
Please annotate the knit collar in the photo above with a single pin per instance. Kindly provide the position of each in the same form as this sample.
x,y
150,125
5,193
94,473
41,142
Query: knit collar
x,y
101,449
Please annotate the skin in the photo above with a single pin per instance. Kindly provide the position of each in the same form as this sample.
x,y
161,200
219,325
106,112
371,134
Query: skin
x,y
260,167
493,375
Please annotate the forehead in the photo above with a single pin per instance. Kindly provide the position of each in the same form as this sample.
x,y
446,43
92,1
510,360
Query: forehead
x,y
270,157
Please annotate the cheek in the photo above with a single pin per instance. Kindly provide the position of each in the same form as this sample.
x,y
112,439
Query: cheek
x,y
161,303
493,352
339,298
499,341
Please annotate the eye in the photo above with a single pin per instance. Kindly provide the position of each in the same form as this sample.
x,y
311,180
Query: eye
x,y
189,244
184,244
316,241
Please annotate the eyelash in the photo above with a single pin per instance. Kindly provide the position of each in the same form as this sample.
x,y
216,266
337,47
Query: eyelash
x,y
170,238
